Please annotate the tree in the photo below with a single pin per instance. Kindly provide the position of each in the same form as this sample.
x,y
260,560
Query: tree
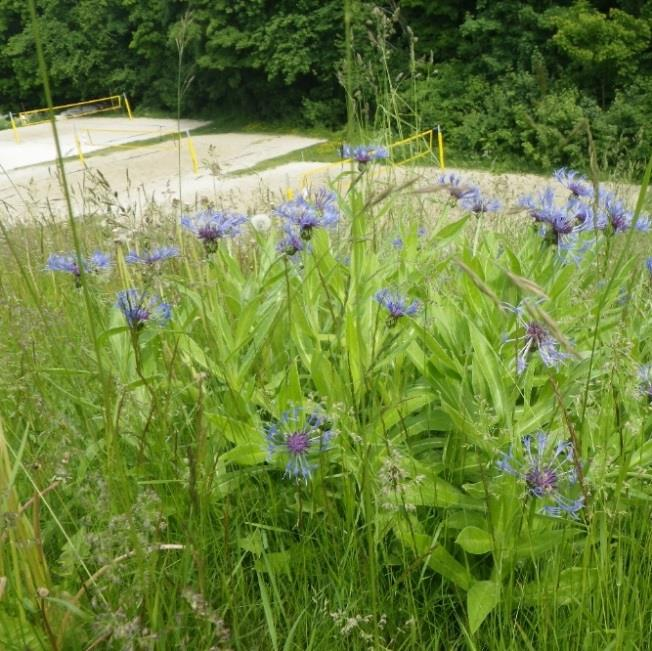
x,y
601,47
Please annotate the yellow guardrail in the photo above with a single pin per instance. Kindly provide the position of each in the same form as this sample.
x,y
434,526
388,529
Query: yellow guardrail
x,y
87,107
428,136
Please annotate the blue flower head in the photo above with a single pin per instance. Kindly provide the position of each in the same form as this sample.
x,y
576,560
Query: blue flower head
x,y
535,338
396,305
453,184
577,185
548,470
538,339
618,216
364,154
648,266
64,263
297,438
309,211
542,207
139,308
474,202
291,245
211,226
645,381
559,224
67,263
152,257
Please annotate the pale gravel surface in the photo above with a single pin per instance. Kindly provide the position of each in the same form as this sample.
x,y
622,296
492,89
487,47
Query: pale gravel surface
x,y
132,177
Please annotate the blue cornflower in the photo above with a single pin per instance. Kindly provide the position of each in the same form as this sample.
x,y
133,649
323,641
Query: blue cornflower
x,y
211,226
559,224
396,305
586,216
645,381
618,216
542,208
398,243
474,202
99,261
548,470
297,438
453,184
576,184
291,244
152,257
648,266
139,307
535,338
310,211
67,263
364,154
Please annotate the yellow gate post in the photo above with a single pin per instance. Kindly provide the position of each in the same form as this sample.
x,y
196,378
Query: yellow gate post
x,y
193,153
79,150
440,142
127,106
13,127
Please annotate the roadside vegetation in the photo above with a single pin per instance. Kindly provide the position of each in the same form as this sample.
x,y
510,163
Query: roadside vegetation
x,y
392,413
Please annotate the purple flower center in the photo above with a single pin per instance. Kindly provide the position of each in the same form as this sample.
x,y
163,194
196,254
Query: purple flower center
x,y
298,443
208,233
536,333
136,315
541,481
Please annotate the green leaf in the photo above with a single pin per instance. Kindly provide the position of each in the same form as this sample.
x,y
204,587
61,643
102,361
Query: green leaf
x,y
450,230
481,599
487,362
433,553
434,491
246,454
474,540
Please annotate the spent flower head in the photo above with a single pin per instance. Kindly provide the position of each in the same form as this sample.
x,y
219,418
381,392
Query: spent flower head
x,y
139,307
548,470
297,439
396,305
210,226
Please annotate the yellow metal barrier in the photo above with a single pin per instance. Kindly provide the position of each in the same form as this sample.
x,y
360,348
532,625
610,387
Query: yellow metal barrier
x,y
193,153
427,136
440,143
127,106
13,127
87,107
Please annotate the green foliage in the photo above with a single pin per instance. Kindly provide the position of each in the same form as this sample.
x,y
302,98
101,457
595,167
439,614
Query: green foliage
x,y
598,45
157,494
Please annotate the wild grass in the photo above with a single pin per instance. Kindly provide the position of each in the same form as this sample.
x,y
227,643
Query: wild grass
x,y
398,360
141,509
